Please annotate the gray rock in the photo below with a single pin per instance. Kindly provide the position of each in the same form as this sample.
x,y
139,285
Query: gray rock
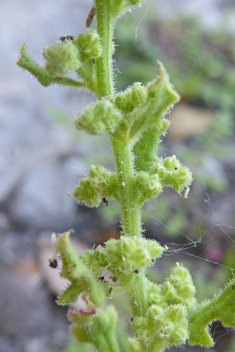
x,y
41,200
29,320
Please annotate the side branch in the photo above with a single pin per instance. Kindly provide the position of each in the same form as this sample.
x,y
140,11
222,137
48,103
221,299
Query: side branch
x,y
28,63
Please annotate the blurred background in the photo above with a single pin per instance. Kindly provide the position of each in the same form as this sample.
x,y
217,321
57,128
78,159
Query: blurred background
x,y
42,158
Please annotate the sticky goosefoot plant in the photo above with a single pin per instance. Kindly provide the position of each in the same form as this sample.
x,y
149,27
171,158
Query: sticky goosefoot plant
x,y
134,120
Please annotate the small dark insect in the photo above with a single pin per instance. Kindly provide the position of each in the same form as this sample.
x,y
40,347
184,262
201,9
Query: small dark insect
x,y
53,263
105,201
132,319
90,17
101,278
176,168
68,37
136,271
153,260
233,287
110,290
60,78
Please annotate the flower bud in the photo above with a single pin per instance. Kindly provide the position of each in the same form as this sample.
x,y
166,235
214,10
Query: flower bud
x,y
148,186
89,45
91,189
127,254
170,323
178,177
86,193
179,287
154,294
132,97
61,59
98,118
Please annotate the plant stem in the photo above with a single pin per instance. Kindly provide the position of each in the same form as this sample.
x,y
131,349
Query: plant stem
x,y
131,220
130,210
122,152
137,293
104,62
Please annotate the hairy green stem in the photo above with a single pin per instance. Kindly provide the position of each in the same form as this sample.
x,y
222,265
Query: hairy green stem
x,y
137,293
131,219
125,171
104,62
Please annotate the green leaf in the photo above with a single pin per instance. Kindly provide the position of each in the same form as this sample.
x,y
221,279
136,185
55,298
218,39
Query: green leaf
x,y
26,62
221,307
98,329
161,97
81,277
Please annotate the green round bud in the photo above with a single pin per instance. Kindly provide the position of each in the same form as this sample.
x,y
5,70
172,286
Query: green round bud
x,y
89,45
91,189
178,177
139,329
171,163
177,324
169,323
131,98
128,254
61,59
179,288
147,186
154,294
98,118
155,310
169,292
86,193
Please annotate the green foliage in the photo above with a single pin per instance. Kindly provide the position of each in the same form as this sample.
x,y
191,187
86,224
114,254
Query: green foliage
x,y
160,98
89,45
179,287
100,183
61,59
131,98
98,329
134,120
99,118
81,278
221,307
26,62
128,254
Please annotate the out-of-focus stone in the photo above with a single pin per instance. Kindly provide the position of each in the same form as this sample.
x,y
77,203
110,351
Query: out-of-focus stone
x,y
41,200
187,121
4,223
